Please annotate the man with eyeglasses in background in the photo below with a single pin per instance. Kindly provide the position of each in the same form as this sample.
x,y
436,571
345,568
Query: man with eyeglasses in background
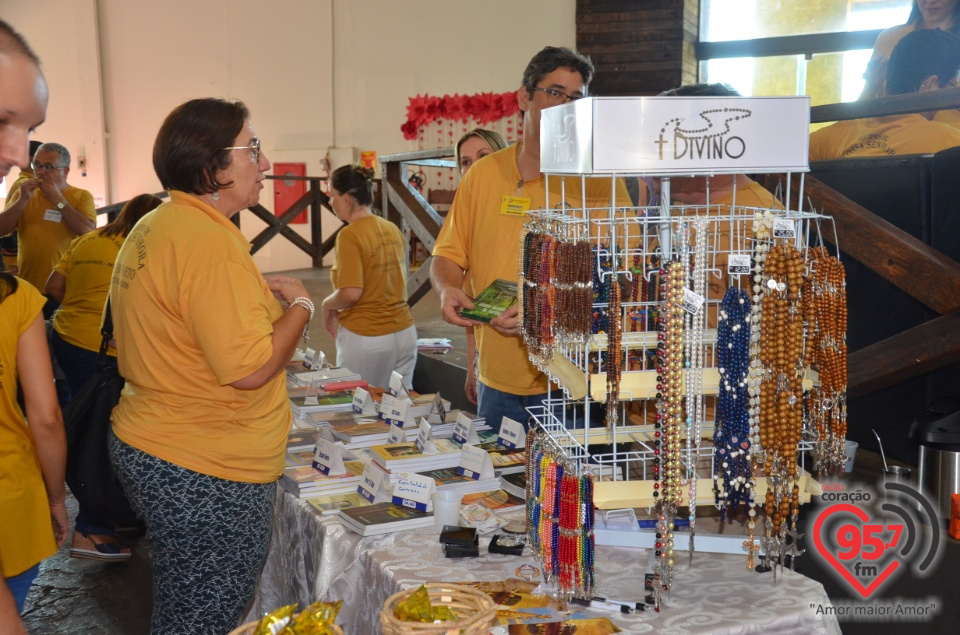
x,y
482,230
48,214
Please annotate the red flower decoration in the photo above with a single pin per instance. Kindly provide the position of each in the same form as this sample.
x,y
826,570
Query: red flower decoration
x,y
485,108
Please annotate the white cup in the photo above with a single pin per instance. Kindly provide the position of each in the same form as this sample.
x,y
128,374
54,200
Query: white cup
x,y
446,508
851,450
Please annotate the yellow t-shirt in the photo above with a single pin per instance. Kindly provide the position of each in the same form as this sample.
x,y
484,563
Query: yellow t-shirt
x,y
43,236
88,266
950,117
192,313
882,136
486,242
371,255
26,533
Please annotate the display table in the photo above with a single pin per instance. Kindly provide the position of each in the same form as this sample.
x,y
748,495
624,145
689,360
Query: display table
x,y
314,557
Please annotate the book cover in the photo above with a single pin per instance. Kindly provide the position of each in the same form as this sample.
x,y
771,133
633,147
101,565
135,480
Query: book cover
x,y
492,301
383,517
499,500
334,503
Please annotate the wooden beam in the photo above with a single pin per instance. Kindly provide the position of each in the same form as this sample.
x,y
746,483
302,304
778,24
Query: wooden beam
x,y
893,105
919,270
412,207
277,225
418,285
906,355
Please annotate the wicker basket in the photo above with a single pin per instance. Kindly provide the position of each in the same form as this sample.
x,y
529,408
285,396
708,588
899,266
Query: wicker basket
x,y
250,627
475,612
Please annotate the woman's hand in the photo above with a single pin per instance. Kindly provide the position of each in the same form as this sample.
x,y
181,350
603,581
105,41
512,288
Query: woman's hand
x,y
61,522
286,288
331,321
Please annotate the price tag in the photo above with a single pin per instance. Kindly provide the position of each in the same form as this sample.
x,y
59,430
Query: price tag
x,y
371,483
309,359
692,302
327,459
363,402
310,398
397,410
512,434
464,432
414,491
475,463
738,264
396,435
396,387
438,412
784,228
424,440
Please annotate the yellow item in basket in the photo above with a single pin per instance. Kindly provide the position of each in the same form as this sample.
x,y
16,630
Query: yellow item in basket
x,y
417,608
276,621
315,620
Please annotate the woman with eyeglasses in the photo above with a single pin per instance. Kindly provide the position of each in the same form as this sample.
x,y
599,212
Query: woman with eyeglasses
x,y
470,148
925,14
202,340
367,313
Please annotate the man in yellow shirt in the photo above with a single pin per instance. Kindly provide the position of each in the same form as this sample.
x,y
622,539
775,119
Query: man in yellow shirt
x,y
924,60
47,214
481,235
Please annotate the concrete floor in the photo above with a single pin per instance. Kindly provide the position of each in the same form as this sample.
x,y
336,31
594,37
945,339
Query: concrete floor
x,y
74,597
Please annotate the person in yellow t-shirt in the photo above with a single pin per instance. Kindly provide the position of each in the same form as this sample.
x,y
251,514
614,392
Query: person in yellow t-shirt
x,y
48,214
481,235
924,60
375,335
199,435
80,283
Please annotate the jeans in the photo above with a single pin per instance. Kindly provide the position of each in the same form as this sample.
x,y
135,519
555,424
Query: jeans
x,y
20,585
494,405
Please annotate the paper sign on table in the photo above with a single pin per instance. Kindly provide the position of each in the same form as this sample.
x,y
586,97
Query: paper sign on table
x,y
325,433
363,402
438,412
309,358
372,485
464,432
393,409
396,387
475,463
397,435
424,440
414,491
512,434
327,458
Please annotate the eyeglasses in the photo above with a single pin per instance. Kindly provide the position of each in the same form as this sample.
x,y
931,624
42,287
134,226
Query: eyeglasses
x,y
46,167
558,96
254,147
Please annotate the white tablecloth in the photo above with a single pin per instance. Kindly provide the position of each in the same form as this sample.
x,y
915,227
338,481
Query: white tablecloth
x,y
314,557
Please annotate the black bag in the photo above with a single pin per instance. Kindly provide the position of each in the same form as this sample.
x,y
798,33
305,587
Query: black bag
x,y
87,420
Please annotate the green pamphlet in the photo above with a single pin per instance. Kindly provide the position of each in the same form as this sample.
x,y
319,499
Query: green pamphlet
x,y
492,301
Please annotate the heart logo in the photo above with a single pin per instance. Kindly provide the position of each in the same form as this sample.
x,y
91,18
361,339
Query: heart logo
x,y
826,550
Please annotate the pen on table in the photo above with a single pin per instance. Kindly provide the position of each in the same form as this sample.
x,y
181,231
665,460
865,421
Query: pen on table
x,y
637,606
600,603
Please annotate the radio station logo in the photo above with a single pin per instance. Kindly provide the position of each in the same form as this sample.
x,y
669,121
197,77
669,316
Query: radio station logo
x,y
709,137
870,542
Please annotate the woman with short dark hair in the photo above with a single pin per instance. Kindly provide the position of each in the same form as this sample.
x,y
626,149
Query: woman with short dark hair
x,y
367,313
202,341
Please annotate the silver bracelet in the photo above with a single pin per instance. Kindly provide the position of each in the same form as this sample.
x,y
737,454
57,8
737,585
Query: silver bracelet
x,y
306,303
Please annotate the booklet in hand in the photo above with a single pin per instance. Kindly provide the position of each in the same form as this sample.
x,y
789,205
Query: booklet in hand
x,y
492,301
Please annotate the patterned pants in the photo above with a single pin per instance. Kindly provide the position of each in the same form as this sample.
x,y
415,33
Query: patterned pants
x,y
209,540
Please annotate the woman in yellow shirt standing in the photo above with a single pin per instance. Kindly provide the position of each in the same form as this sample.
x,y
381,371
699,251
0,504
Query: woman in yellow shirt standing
x,y
375,335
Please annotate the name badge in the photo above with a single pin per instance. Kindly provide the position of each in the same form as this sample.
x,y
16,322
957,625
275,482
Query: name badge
x,y
424,440
371,483
512,434
475,463
515,205
464,432
327,458
53,215
414,491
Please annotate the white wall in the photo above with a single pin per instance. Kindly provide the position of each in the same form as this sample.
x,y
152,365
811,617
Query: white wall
x,y
315,73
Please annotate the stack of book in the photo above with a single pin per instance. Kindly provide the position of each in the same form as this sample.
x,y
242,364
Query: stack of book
x,y
301,479
447,479
497,501
325,401
383,518
323,376
514,483
333,503
405,457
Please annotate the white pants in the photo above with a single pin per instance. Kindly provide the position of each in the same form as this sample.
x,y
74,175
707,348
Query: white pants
x,y
374,357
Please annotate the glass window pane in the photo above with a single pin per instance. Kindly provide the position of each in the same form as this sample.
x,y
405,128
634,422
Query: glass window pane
x,y
724,20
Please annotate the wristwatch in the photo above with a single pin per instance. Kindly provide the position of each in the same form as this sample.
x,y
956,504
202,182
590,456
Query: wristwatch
x,y
61,205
